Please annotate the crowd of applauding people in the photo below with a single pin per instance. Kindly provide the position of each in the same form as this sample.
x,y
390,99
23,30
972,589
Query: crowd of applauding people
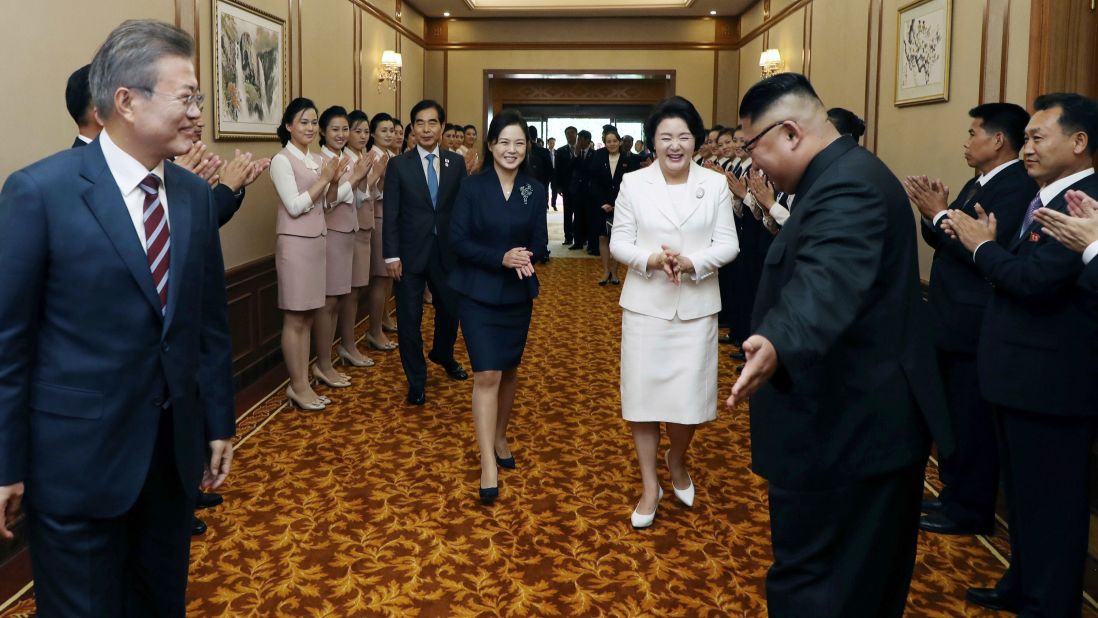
x,y
781,230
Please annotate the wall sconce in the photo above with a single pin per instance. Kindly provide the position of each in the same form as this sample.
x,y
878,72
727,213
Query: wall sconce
x,y
389,71
770,62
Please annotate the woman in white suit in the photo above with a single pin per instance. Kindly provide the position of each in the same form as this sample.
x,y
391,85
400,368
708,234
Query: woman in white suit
x,y
673,228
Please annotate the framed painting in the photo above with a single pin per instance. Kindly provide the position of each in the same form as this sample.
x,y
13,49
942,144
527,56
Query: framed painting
x,y
251,80
923,30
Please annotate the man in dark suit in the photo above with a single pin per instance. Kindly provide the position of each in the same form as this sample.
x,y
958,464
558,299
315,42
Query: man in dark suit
x,y
420,187
579,188
843,379
79,103
551,146
1037,353
957,298
540,163
563,179
115,360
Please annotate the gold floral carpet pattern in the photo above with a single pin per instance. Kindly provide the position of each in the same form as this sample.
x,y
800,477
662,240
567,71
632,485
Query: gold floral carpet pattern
x,y
369,508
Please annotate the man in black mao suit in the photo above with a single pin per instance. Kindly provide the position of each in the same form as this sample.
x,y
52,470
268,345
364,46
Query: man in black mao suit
x,y
563,180
420,187
957,298
79,103
115,360
842,375
1036,361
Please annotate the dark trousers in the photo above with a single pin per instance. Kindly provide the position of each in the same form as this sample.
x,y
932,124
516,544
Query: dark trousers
x,y
596,227
844,552
131,565
1047,477
579,221
570,205
555,193
971,474
409,305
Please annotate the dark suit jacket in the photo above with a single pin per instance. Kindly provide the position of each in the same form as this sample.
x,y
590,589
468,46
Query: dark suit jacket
x,y
77,143
1039,343
579,183
485,226
86,361
562,167
226,203
541,165
959,293
840,300
604,185
410,218
1089,279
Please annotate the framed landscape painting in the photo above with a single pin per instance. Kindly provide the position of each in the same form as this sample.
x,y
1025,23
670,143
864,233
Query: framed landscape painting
x,y
922,51
251,78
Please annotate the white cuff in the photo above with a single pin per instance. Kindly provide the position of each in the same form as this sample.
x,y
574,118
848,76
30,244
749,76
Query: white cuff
x,y
391,260
978,249
1090,252
938,217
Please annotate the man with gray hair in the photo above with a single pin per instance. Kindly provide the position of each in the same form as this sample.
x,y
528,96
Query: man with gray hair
x,y
116,398
844,392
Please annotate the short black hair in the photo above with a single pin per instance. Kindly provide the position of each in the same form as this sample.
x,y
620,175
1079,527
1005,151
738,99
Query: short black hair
x,y
763,95
846,122
356,117
502,120
469,126
609,129
428,104
78,97
295,107
1078,114
569,128
585,134
675,107
327,116
1006,118
717,127
531,130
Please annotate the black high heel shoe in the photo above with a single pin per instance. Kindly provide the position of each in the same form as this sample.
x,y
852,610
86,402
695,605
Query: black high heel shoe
x,y
508,463
608,279
488,495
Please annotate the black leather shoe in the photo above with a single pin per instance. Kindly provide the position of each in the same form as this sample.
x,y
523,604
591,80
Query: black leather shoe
x,y
488,495
576,246
991,598
197,526
740,356
567,241
932,505
938,523
508,463
416,396
452,367
724,339
207,500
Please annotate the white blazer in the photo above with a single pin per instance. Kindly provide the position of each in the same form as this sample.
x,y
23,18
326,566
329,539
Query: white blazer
x,y
644,220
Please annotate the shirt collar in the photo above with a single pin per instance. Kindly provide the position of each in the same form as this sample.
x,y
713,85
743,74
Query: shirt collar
x,y
986,178
423,153
127,171
328,152
83,138
1053,189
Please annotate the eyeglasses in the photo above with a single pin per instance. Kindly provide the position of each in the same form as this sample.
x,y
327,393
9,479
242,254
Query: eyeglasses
x,y
750,145
196,98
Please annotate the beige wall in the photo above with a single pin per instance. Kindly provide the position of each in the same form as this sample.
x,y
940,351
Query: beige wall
x,y
580,29
41,125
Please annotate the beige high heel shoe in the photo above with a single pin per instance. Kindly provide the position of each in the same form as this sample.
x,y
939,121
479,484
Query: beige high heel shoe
x,y
311,406
320,376
347,359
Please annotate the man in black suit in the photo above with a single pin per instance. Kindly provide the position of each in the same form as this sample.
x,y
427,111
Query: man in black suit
x,y
1037,355
420,187
551,146
563,179
116,402
842,377
79,103
957,298
579,188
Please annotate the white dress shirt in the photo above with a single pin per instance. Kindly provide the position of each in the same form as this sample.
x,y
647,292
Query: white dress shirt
x,y
84,138
981,182
128,173
282,174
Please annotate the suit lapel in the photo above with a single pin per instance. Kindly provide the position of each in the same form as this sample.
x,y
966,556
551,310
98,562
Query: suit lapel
x,y
180,211
415,169
694,192
109,209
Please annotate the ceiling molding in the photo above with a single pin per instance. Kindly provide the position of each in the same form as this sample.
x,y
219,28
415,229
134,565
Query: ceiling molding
x,y
771,22
391,21
581,45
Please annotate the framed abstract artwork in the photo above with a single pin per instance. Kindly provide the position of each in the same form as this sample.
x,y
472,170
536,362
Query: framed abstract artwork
x,y
251,80
923,40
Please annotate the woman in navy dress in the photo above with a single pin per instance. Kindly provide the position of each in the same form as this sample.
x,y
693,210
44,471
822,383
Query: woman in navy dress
x,y
498,232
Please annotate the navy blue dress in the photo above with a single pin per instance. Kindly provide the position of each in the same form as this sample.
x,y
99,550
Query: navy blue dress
x,y
494,305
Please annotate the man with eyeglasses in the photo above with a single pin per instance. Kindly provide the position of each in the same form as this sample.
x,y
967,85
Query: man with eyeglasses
x,y
840,376
116,396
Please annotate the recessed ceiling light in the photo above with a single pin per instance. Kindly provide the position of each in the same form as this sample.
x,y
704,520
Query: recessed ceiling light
x,y
446,14
712,12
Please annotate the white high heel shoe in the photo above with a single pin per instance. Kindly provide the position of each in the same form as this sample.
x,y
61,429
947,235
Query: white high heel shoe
x,y
644,521
686,496
346,357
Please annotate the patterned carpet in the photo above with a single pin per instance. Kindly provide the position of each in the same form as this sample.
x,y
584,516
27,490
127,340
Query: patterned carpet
x,y
369,507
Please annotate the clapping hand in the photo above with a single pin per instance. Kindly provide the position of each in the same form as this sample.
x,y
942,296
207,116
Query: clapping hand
x,y
360,170
233,174
1077,230
738,186
761,189
472,161
329,172
930,197
519,259
969,231
201,163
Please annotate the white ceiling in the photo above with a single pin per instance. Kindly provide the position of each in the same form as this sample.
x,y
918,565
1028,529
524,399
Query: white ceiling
x,y
464,9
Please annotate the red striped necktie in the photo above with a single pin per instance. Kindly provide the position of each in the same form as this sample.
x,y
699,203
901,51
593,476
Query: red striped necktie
x,y
157,239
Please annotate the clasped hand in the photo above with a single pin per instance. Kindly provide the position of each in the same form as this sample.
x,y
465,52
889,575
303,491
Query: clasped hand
x,y
519,259
672,263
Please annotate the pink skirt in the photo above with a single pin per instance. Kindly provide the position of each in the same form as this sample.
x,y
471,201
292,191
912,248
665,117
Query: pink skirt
x,y
377,261
340,257
300,263
360,266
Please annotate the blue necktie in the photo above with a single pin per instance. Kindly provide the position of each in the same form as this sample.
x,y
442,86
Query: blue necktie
x,y
1033,206
432,180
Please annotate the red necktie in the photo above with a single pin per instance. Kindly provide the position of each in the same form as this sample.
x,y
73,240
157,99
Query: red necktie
x,y
157,240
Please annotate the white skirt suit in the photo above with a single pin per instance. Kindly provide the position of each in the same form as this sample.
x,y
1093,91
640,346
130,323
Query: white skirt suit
x,y
669,332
